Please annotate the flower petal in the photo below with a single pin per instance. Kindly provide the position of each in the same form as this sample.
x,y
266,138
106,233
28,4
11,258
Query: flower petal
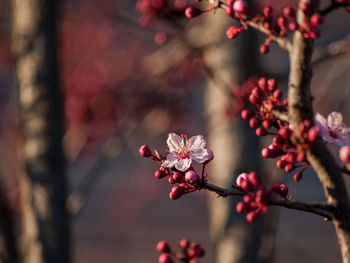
x,y
174,142
320,120
335,120
196,142
170,161
200,155
183,164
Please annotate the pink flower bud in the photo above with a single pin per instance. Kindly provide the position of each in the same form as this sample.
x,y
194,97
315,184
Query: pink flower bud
x,y
277,95
264,49
254,122
266,153
240,207
171,180
282,21
241,7
262,84
176,192
232,32
267,11
159,174
261,132
184,243
254,178
344,154
289,11
305,6
257,93
261,197
283,190
316,19
305,126
267,123
297,177
178,177
246,186
289,167
278,140
313,133
347,7
192,12
145,151
163,247
165,258
242,177
247,114
251,216
254,100
191,177
271,84
284,132
293,26
281,164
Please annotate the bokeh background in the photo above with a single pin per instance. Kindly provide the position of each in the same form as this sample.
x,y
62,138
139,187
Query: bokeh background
x,y
127,82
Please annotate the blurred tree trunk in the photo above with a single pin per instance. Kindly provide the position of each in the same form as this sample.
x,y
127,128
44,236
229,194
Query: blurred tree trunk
x,y
235,145
43,185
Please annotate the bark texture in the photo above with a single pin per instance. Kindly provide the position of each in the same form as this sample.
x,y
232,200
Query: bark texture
x,y
300,108
234,144
45,219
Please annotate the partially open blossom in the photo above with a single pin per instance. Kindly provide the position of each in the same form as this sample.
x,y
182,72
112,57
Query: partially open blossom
x,y
242,177
241,7
334,130
183,151
191,177
344,154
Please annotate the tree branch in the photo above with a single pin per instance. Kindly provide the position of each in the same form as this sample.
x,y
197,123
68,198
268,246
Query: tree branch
x,y
345,170
333,6
318,209
300,109
333,49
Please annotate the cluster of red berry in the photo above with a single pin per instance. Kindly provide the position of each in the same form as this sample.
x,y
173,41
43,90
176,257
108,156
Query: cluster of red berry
x,y
256,200
286,144
190,252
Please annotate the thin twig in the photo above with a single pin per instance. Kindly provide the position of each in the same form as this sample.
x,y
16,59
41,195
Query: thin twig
x,y
318,209
345,170
333,6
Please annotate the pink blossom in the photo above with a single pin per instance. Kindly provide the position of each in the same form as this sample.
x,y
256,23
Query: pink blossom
x,y
334,130
183,151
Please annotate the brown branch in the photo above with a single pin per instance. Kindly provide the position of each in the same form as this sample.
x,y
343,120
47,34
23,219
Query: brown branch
x,y
333,49
300,108
318,209
345,170
283,42
333,6
281,115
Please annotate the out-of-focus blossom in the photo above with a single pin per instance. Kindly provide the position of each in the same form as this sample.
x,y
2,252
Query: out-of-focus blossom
x,y
333,129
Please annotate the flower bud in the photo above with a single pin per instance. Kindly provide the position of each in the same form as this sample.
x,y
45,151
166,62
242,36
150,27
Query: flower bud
x,y
257,93
271,84
254,178
284,132
241,7
254,100
191,177
282,21
289,11
344,154
165,258
305,6
281,164
293,26
297,177
192,12
163,247
261,132
264,49
283,190
262,84
178,177
145,151
277,95
254,122
289,167
267,11
247,114
251,216
171,180
313,133
184,243
242,177
316,19
240,207
159,174
266,153
232,32
267,123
